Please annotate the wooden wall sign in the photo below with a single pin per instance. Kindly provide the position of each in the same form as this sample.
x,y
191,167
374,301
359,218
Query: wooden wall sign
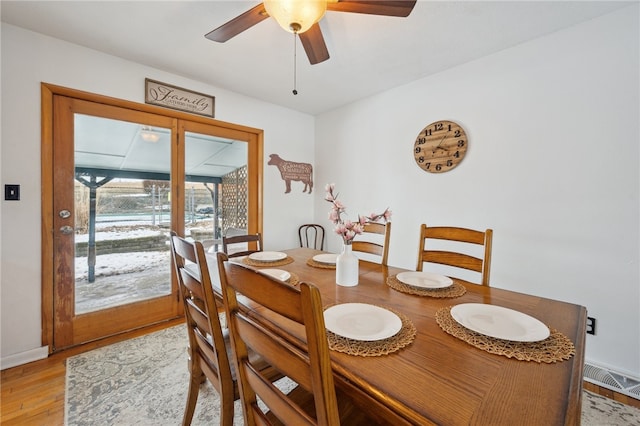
x,y
291,171
168,96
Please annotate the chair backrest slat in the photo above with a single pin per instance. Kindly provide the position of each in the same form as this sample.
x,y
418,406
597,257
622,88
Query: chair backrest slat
x,y
450,258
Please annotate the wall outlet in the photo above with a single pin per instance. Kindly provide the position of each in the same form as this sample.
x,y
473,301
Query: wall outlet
x,y
591,325
12,192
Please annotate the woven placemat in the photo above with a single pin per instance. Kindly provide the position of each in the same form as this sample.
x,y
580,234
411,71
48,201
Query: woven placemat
x,y
556,347
321,265
403,338
259,264
294,279
454,290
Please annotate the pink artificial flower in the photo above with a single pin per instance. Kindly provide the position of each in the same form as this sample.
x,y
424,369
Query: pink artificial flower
x,y
346,228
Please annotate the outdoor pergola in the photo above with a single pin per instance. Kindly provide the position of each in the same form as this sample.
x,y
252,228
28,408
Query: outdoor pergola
x,y
94,178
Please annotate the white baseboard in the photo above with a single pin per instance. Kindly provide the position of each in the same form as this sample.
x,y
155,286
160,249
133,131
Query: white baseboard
x,y
24,357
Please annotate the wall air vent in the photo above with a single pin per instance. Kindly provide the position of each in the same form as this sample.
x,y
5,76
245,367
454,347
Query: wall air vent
x,y
611,380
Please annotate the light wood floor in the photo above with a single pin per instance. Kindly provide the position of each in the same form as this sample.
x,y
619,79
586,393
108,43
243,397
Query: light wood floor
x,y
33,394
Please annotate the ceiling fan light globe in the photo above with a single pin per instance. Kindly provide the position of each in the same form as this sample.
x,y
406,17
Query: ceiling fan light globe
x,y
293,14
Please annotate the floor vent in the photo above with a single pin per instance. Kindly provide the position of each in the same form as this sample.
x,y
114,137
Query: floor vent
x,y
611,380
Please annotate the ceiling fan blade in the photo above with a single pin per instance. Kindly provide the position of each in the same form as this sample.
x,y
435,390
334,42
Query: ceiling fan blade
x,y
399,8
313,43
238,24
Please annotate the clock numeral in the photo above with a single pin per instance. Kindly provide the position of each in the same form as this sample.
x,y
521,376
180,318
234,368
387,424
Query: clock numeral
x,y
427,132
457,154
421,160
438,167
456,134
427,166
418,150
422,141
438,126
461,143
449,163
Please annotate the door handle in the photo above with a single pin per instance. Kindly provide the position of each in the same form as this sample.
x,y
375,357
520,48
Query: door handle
x,y
64,214
66,229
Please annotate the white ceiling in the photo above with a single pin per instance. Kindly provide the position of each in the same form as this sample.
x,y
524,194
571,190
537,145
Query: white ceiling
x,y
369,54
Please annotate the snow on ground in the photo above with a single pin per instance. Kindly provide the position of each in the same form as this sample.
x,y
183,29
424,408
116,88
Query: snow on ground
x,y
119,235
123,263
123,277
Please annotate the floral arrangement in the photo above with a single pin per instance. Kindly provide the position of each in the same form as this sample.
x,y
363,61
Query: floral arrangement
x,y
346,228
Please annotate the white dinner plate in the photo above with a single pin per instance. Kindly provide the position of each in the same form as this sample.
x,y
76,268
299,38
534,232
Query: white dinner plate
x,y
276,273
499,322
267,256
360,321
424,279
328,258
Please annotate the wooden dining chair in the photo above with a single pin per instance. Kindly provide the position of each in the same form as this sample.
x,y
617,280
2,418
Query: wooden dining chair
x,y
465,242
209,347
374,240
315,401
311,236
241,245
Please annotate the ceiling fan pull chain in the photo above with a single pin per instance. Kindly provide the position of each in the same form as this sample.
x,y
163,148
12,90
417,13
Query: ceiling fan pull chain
x,y
295,91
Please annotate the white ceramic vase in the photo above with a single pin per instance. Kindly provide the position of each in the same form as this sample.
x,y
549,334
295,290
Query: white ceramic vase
x,y
347,267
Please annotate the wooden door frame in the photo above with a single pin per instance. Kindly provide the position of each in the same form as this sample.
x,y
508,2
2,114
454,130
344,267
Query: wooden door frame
x,y
254,137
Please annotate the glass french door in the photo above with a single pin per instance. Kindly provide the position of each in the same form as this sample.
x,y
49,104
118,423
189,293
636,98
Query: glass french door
x,y
216,184
122,180
112,267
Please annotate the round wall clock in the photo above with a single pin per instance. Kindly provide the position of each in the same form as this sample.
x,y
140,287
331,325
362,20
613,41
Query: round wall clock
x,y
440,146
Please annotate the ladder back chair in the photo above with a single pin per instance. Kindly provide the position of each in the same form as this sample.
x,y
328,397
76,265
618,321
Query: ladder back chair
x,y
311,236
374,240
209,347
314,400
460,237
242,245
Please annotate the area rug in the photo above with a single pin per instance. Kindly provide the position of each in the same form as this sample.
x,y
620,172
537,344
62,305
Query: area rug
x,y
143,381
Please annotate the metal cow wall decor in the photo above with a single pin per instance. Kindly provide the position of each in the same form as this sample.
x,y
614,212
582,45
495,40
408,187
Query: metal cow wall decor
x,y
291,171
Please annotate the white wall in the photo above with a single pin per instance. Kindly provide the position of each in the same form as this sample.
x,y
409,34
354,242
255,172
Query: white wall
x,y
552,167
29,59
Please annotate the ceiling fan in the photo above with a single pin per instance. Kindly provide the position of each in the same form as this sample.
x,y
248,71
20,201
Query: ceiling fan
x,y
301,18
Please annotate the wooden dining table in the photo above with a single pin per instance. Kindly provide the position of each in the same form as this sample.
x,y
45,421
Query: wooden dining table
x,y
441,379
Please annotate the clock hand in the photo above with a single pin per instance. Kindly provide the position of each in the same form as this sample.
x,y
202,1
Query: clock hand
x,y
439,143
442,140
